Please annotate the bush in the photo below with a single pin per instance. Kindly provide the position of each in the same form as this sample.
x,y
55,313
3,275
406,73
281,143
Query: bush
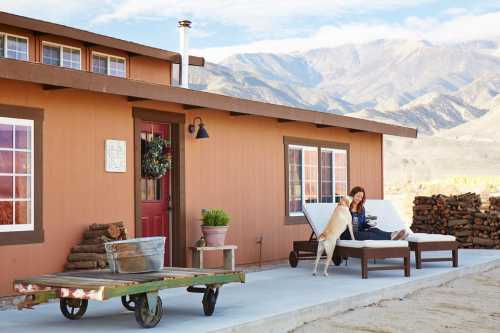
x,y
215,218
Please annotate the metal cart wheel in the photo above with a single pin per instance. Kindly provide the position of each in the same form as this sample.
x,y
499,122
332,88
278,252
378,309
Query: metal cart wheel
x,y
337,260
143,316
129,302
209,301
293,259
73,308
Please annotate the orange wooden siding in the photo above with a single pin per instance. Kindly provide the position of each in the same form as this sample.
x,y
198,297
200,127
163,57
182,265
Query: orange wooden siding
x,y
239,168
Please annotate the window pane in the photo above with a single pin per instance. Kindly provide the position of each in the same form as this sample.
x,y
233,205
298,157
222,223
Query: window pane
x,y
143,189
17,48
2,46
340,189
326,176
6,213
23,212
341,174
51,55
23,187
5,162
311,175
23,137
71,58
23,162
341,159
117,67
99,64
6,136
6,190
294,180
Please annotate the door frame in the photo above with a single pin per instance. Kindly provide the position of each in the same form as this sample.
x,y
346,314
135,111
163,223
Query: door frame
x,y
178,237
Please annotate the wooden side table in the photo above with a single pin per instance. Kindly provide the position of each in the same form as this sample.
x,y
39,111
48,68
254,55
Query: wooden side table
x,y
227,250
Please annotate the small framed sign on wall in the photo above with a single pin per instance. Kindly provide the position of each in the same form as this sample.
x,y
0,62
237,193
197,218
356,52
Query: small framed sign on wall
x,y
116,156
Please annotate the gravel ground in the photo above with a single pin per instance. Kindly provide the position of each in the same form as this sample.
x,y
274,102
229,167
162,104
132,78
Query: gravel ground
x,y
470,305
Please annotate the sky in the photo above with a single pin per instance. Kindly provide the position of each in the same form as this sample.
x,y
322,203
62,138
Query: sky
x,y
222,28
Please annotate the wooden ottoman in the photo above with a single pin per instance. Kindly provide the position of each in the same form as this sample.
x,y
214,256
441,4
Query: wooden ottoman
x,y
420,242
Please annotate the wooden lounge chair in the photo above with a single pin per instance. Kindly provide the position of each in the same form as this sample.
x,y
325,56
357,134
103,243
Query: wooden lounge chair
x,y
390,220
318,215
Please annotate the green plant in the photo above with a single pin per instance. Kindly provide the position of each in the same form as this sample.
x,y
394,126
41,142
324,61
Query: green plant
x,y
215,218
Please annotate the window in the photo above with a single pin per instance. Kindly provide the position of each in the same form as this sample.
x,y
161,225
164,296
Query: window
x,y
21,170
14,47
316,172
16,174
108,65
60,55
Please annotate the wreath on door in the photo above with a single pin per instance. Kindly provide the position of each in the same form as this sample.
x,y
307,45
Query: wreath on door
x,y
155,159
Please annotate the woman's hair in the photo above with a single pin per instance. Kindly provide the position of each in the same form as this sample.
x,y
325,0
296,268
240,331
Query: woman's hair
x,y
353,192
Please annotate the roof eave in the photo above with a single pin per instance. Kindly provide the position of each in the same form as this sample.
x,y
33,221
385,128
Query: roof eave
x,y
68,78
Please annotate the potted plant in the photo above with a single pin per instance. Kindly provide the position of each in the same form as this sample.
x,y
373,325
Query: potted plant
x,y
214,226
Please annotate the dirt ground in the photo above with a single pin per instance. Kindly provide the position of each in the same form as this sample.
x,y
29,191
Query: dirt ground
x,y
470,305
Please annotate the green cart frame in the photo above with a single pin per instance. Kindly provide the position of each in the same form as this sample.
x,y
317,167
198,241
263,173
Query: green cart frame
x,y
138,292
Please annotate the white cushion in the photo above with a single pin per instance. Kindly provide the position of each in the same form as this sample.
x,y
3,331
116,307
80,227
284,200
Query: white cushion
x,y
421,237
318,215
388,218
372,243
351,243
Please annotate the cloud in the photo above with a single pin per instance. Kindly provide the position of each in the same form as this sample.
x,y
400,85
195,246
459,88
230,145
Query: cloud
x,y
456,29
255,15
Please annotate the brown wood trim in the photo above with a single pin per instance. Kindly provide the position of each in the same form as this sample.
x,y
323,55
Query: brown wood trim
x,y
37,235
179,233
90,38
290,220
77,79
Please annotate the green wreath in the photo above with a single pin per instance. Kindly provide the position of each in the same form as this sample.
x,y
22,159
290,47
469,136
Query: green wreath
x,y
155,161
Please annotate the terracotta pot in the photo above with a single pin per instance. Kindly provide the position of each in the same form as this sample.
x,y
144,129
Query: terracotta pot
x,y
215,236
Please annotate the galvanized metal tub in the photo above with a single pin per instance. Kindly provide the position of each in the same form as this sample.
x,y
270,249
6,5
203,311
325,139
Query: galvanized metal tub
x,y
138,255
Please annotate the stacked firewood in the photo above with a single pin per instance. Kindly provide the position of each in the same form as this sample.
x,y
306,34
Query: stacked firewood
x,y
487,226
452,215
90,253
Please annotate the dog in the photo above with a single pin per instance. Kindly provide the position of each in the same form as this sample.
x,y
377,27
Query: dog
x,y
340,220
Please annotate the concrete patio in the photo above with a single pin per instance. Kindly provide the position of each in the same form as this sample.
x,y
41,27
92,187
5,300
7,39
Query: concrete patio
x,y
274,300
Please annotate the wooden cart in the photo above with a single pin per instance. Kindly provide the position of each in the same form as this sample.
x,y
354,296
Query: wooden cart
x,y
138,292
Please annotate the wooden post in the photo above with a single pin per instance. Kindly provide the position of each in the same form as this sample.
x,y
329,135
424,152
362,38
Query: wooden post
x,y
418,256
454,253
407,264
364,267
229,262
197,258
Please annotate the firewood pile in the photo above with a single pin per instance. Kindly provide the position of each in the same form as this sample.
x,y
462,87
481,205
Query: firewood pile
x,y
461,216
90,252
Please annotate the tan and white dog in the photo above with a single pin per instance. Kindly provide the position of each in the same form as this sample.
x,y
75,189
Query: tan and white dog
x,y
340,220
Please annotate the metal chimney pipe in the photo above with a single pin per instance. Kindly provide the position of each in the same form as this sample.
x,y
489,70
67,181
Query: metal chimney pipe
x,y
184,27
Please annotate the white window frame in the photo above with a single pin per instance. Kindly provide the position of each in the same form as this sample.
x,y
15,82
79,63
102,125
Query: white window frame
x,y
334,167
108,59
318,150
20,227
5,35
61,53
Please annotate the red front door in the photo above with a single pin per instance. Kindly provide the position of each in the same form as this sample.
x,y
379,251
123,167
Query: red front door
x,y
155,193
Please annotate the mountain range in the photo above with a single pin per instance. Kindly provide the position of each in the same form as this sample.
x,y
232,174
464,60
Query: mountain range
x,y
434,87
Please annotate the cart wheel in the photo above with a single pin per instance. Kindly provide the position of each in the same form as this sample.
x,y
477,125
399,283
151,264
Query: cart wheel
x,y
142,314
73,308
209,301
337,260
129,302
293,259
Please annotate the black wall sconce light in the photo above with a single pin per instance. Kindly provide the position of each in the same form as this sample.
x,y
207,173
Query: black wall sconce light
x,y
202,132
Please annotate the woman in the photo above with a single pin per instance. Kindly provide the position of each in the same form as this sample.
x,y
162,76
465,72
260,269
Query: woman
x,y
362,231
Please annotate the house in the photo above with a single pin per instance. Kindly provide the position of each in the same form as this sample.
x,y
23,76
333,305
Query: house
x,y
74,107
